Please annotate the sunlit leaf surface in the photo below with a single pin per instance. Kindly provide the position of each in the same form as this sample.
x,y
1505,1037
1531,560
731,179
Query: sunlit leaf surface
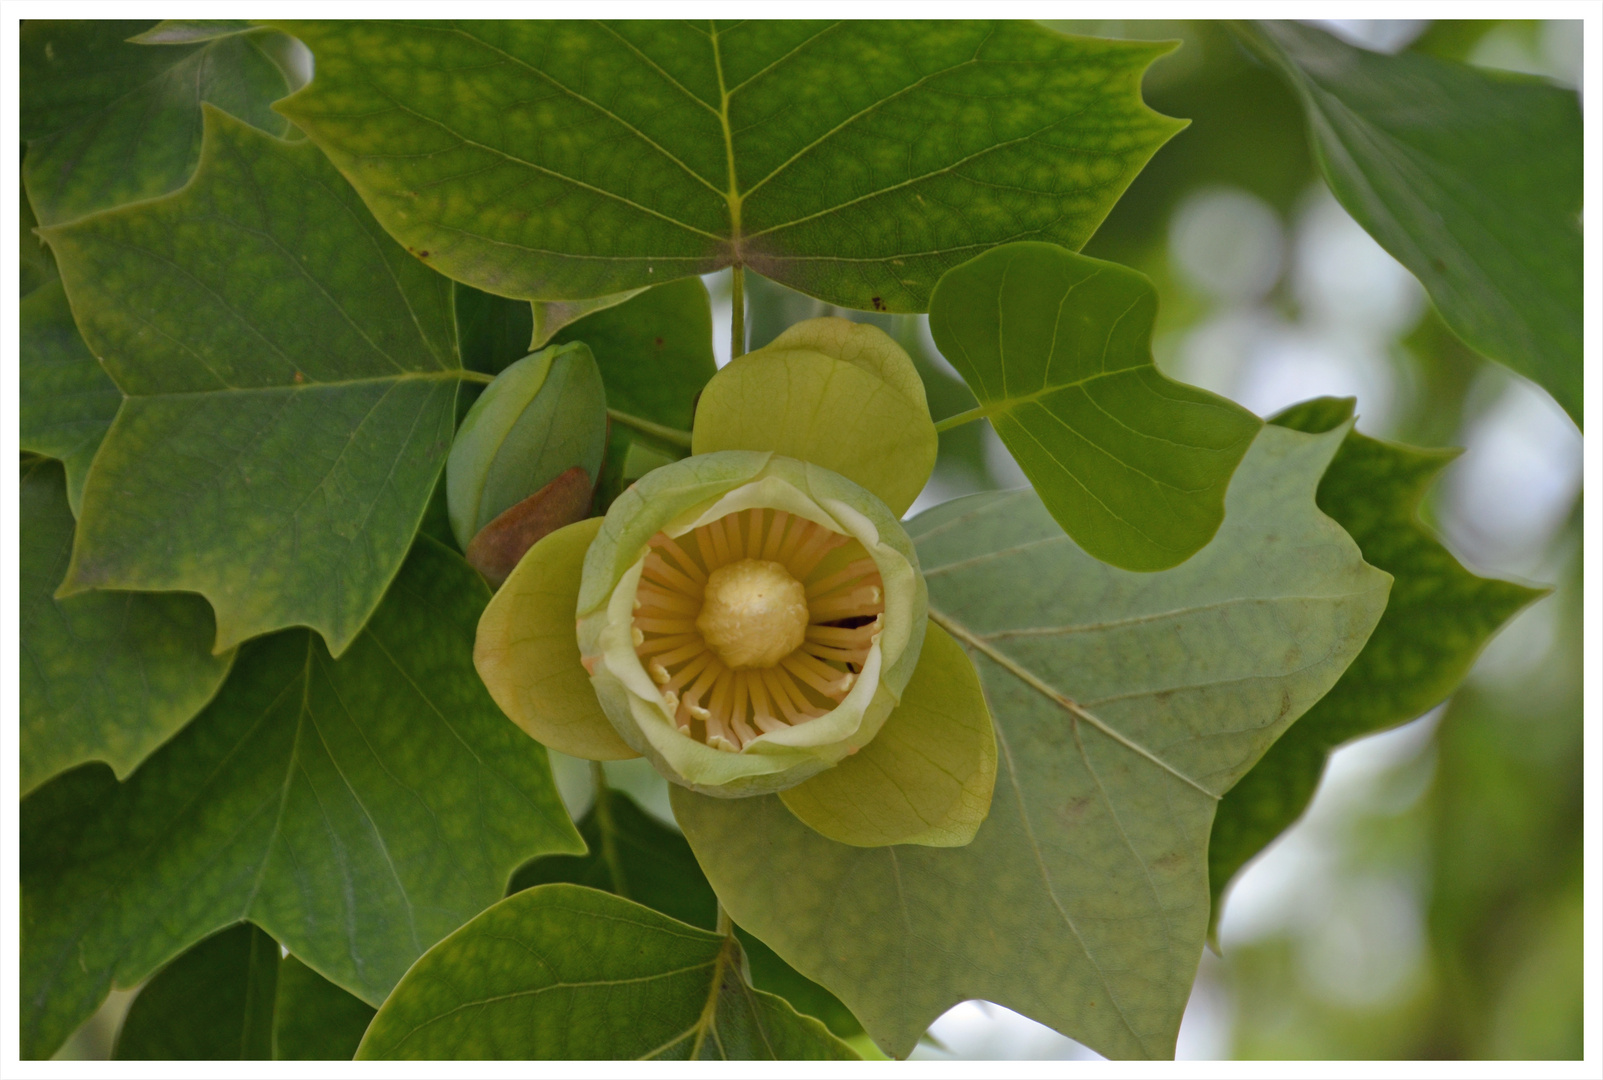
x,y
1436,621
357,809
108,121
1471,179
562,971
852,160
104,676
291,377
1057,347
1125,705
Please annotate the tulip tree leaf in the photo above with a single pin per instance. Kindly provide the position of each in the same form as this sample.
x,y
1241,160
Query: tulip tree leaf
x,y
105,676
357,809
636,857
314,1020
1057,348
37,265
655,354
67,401
854,161
491,331
1125,705
213,1003
1436,622
1471,179
108,121
561,971
291,378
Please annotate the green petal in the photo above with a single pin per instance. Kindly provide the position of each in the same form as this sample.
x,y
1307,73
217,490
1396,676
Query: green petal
x,y
927,777
832,392
528,656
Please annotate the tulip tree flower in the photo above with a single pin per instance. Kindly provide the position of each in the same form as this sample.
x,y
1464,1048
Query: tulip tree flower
x,y
752,619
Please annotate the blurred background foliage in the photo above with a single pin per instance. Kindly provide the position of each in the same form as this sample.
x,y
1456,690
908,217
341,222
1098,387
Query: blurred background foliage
x,y
1429,904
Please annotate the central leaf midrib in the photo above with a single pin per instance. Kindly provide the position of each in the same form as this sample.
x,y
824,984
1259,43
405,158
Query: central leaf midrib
x,y
446,375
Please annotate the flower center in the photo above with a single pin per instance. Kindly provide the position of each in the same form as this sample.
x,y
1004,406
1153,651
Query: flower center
x,y
758,621
753,613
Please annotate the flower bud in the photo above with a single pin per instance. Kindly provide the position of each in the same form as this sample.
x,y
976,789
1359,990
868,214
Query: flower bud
x,y
542,416
748,620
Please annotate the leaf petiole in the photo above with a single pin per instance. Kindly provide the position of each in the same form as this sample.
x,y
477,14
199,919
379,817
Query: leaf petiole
x,y
661,431
959,419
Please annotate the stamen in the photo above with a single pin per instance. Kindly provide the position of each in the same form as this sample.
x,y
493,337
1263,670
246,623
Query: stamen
x,y
844,656
854,570
709,556
790,698
799,527
684,652
844,637
804,667
666,543
762,712
665,626
720,544
737,543
690,670
776,533
670,601
737,707
637,637
866,600
656,569
754,542
663,644
806,561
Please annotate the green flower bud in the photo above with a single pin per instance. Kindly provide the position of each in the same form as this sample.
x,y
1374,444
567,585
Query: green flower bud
x,y
543,415
749,620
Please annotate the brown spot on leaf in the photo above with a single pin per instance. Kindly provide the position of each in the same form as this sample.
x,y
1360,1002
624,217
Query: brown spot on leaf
x,y
879,305
657,342
422,254
500,544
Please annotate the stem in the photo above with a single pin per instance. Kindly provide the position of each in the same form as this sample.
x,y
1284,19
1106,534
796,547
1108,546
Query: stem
x,y
726,925
609,846
962,418
661,431
737,311
475,376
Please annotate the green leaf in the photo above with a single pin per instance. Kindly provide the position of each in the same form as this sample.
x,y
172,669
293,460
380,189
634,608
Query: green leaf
x,y
109,122
291,379
1471,179
314,1020
1436,622
565,972
213,1003
38,266
634,856
854,161
491,331
1125,705
551,316
1057,347
67,401
358,810
105,676
543,415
